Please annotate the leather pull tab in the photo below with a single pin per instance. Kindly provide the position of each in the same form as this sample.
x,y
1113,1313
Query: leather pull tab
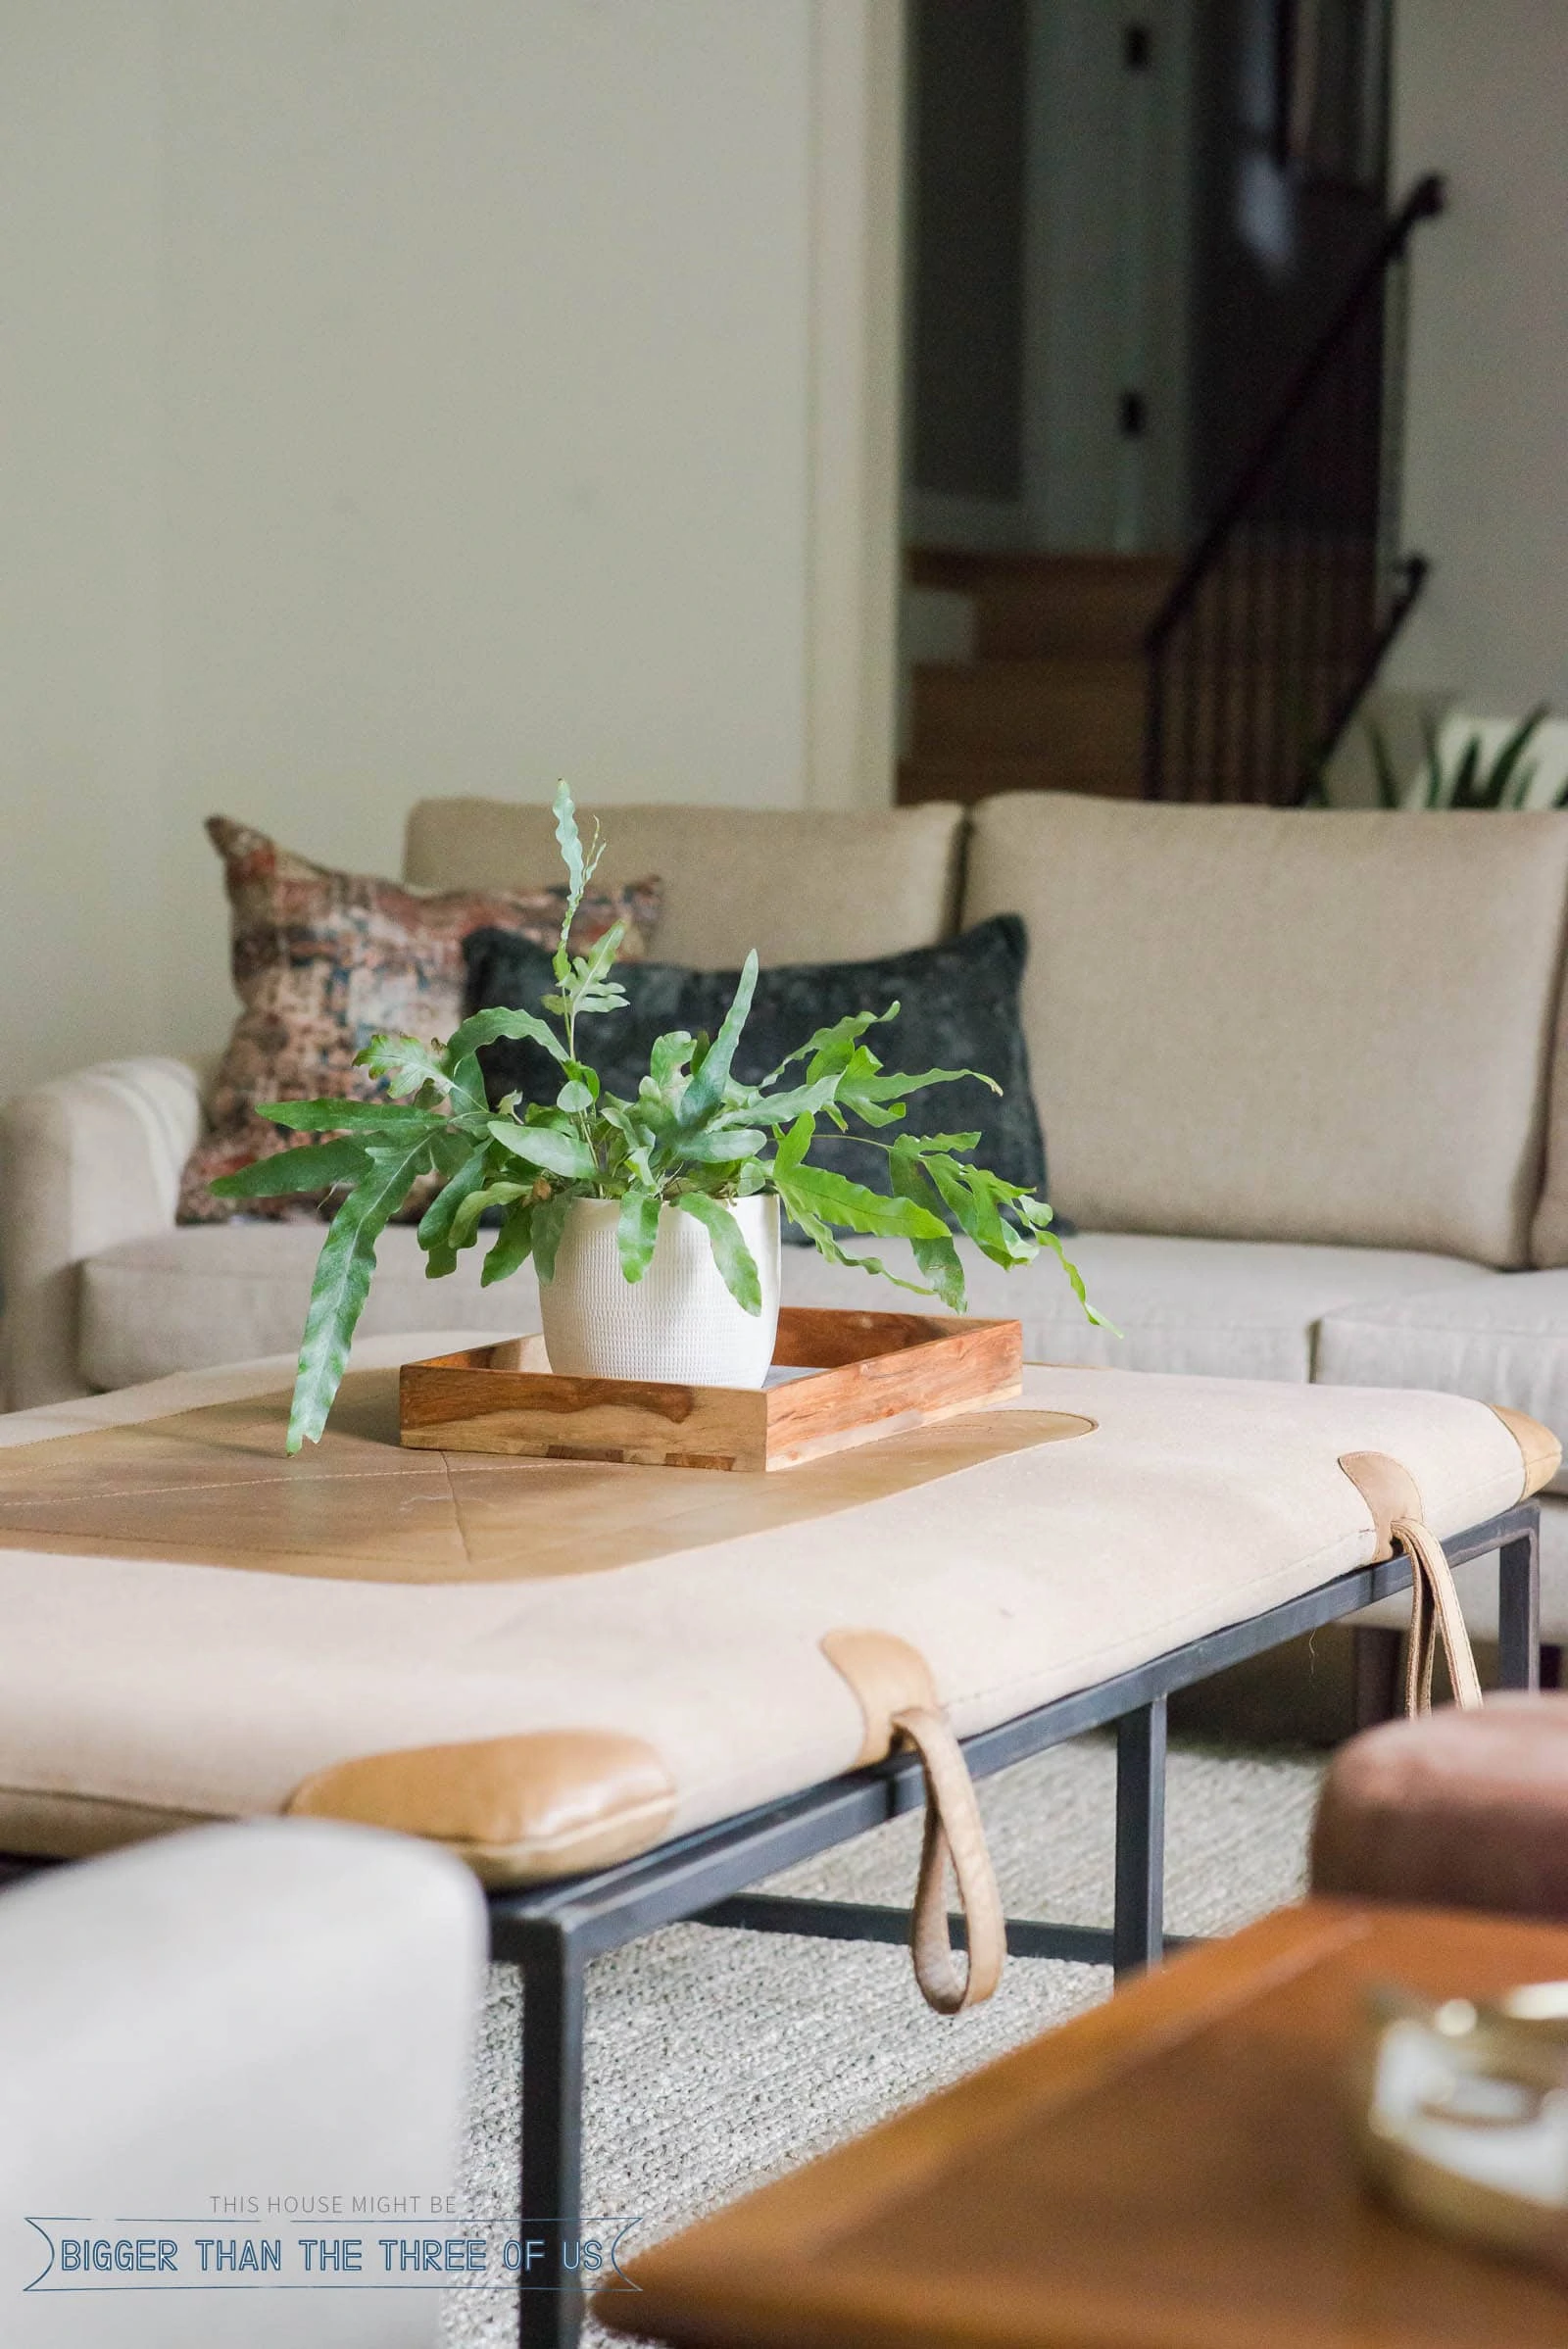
x,y
1434,1614
885,1673
1395,1501
954,1833
897,1699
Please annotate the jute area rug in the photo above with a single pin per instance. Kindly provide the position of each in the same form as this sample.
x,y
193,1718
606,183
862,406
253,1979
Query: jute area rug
x,y
718,2060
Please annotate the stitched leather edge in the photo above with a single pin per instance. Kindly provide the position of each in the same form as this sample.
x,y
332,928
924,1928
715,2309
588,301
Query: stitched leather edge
x,y
886,1675
1543,1453
1390,1491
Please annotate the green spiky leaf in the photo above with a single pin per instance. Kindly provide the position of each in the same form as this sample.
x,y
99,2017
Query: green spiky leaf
x,y
314,1166
937,1259
1508,764
720,1146
833,1199
442,1230
343,1281
488,1027
782,1108
548,1148
549,1223
509,1250
478,1203
1385,775
975,1200
396,1118
737,1266
830,1050
637,1231
406,1066
668,1057
706,1091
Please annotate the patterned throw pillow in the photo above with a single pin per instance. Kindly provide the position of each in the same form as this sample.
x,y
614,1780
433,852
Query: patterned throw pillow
x,y
321,960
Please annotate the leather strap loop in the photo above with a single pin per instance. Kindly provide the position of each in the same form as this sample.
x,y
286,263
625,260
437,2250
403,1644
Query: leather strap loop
x,y
1399,1522
1434,1614
954,1833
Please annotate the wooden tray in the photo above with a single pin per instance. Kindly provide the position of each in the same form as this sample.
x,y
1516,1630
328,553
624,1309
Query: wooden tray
x,y
862,1376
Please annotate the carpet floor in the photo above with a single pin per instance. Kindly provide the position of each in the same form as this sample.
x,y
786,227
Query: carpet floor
x,y
716,2060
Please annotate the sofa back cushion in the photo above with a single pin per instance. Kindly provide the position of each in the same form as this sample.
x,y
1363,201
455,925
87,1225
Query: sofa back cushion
x,y
1280,1024
801,885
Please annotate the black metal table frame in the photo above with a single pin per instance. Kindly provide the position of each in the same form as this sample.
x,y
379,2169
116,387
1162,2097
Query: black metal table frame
x,y
551,1931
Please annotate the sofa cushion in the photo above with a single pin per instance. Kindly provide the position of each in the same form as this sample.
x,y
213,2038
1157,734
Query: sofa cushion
x,y
1213,1308
801,885
201,1295
195,1296
1286,1024
1503,1337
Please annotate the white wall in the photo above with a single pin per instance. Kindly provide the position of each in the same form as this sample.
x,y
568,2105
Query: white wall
x,y
1480,93
79,532
406,396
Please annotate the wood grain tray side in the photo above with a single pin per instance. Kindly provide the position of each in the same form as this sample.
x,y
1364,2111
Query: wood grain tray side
x,y
870,1375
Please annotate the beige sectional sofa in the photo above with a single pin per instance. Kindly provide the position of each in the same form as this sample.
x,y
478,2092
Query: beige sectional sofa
x,y
1303,1078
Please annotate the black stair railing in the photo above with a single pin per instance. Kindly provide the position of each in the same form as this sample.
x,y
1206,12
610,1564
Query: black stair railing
x,y
1281,615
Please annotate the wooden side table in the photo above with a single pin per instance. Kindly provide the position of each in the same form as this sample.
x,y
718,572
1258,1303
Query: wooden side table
x,y
1171,2171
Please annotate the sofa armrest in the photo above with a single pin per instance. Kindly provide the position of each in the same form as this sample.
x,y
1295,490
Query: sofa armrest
x,y
86,1160
275,2009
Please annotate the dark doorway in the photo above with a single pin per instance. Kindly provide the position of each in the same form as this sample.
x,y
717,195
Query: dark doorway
x,y
1127,224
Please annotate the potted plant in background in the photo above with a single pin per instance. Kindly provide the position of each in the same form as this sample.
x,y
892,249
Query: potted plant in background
x,y
1467,780
652,1222
1464,778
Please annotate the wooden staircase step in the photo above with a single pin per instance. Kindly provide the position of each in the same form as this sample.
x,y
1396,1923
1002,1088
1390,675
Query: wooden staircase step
x,y
1055,699
1081,712
1040,604
1074,726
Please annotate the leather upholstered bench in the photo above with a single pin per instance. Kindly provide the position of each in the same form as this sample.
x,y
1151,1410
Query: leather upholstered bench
x,y
627,1695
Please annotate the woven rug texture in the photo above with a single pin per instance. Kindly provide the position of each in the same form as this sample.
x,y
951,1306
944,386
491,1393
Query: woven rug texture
x,y
718,2060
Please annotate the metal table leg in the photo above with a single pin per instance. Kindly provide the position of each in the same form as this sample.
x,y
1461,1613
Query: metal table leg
x,y
1519,1609
550,2314
1138,1938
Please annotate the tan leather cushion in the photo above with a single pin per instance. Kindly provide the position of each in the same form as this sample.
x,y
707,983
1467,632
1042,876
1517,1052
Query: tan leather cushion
x,y
801,885
1456,1811
514,1808
1278,1024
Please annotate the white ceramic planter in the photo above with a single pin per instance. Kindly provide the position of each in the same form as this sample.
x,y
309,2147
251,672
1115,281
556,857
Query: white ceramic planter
x,y
678,1322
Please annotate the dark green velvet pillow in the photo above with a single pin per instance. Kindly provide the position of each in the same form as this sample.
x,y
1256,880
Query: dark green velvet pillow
x,y
960,1010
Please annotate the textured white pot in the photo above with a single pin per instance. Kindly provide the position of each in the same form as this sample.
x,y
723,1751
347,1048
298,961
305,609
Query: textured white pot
x,y
678,1322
